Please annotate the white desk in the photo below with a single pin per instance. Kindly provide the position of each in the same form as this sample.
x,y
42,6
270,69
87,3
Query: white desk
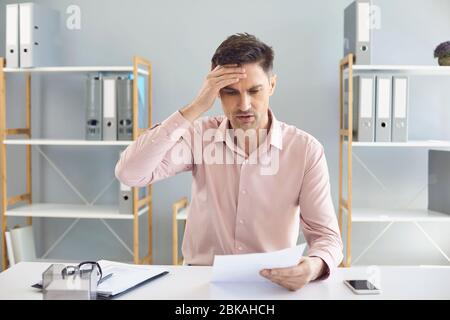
x,y
192,283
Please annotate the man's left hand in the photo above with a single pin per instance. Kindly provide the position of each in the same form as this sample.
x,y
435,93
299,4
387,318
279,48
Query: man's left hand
x,y
294,278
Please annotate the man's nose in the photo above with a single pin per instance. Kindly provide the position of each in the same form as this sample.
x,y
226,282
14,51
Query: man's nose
x,y
244,102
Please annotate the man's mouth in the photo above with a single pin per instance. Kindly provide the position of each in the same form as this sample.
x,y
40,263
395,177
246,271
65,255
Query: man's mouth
x,y
245,117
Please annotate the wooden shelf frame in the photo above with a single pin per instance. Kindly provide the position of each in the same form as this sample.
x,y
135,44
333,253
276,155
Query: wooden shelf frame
x,y
346,204
140,66
179,212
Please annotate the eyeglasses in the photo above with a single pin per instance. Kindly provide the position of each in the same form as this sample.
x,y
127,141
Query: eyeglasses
x,y
83,269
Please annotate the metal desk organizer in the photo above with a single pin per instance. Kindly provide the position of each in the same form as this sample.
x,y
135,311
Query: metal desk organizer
x,y
61,282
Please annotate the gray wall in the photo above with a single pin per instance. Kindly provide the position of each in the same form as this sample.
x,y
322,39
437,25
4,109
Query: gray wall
x,y
179,38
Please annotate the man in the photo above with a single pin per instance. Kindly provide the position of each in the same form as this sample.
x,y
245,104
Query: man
x,y
251,191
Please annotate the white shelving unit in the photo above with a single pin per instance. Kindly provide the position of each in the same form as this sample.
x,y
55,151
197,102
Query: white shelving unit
x,y
88,210
393,215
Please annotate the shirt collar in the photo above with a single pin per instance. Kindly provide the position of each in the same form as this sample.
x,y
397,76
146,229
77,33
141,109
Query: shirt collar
x,y
274,135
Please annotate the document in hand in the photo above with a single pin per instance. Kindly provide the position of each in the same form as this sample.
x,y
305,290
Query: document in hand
x,y
246,267
125,277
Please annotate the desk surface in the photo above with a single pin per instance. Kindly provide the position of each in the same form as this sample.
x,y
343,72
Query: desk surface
x,y
192,283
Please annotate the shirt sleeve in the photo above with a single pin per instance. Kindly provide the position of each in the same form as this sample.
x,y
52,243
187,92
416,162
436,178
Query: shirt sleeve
x,y
317,215
158,153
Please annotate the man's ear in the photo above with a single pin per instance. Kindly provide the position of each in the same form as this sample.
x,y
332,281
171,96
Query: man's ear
x,y
272,83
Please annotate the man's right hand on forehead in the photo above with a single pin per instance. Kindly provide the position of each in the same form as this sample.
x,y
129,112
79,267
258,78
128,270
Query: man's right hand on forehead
x,y
218,78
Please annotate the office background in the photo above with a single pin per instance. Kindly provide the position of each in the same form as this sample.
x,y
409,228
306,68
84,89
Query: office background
x,y
179,37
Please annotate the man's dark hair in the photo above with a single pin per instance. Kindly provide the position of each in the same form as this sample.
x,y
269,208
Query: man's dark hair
x,y
243,48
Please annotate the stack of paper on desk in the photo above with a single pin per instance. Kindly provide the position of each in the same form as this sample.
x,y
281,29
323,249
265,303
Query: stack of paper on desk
x,y
246,267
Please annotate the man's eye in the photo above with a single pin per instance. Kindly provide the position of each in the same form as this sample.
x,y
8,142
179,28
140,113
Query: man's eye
x,y
231,93
254,91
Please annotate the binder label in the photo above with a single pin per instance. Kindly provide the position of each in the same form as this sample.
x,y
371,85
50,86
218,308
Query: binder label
x,y
400,98
384,88
364,22
109,98
12,14
25,17
366,98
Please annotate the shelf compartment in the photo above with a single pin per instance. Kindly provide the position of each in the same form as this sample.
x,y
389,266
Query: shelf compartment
x,y
397,215
61,210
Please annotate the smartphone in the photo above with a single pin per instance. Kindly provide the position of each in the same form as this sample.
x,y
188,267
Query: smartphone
x,y
362,287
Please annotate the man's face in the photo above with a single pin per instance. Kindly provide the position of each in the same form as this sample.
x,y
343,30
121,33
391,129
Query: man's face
x,y
246,102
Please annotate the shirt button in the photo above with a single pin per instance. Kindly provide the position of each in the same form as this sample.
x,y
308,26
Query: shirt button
x,y
240,248
153,140
176,124
241,221
244,192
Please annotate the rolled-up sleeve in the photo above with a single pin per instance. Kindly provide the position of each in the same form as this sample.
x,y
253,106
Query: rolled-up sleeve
x,y
148,159
317,215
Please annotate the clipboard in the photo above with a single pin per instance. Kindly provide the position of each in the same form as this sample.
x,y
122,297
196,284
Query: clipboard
x,y
109,297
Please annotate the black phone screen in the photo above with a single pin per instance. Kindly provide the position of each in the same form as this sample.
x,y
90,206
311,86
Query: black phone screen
x,y
362,285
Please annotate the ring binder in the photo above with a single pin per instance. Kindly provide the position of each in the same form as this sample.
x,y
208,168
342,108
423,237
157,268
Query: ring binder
x,y
124,109
94,110
383,109
357,31
12,36
109,108
39,30
400,109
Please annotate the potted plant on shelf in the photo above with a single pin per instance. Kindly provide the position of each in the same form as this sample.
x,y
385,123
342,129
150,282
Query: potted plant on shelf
x,y
442,52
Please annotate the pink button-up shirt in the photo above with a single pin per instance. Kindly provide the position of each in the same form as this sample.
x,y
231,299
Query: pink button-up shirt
x,y
241,205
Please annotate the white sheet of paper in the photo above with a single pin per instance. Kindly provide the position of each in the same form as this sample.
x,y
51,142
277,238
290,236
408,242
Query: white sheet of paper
x,y
246,267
